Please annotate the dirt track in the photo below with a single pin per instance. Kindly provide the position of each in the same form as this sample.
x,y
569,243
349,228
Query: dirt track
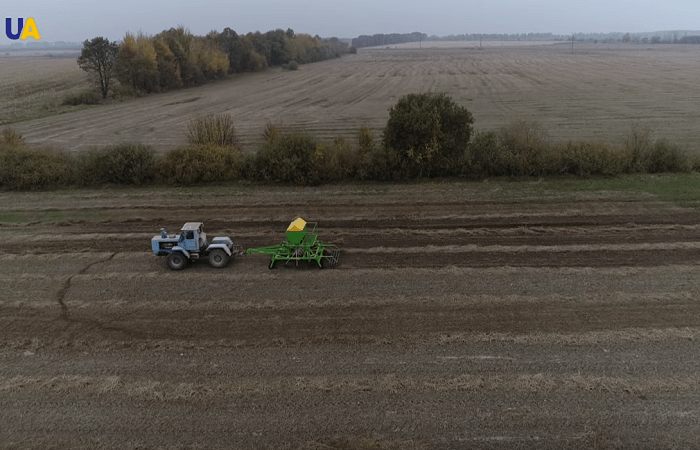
x,y
452,322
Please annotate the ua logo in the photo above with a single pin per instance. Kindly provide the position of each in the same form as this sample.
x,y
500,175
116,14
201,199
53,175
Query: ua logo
x,y
24,30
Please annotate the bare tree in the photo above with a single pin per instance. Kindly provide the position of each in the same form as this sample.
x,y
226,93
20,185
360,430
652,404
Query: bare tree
x,y
98,56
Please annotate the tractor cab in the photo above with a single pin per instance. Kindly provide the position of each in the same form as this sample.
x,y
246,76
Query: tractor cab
x,y
193,238
192,244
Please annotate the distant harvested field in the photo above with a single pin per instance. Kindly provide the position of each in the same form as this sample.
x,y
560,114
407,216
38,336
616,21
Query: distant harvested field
x,y
595,93
465,44
34,85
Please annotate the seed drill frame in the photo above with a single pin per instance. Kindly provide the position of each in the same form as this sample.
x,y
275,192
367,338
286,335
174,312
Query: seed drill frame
x,y
301,245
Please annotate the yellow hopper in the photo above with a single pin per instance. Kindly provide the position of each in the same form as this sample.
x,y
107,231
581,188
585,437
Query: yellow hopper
x,y
297,225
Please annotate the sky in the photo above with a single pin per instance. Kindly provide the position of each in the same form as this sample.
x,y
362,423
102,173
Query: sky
x,y
77,20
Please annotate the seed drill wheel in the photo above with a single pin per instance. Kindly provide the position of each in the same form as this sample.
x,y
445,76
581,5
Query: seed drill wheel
x,y
218,258
176,261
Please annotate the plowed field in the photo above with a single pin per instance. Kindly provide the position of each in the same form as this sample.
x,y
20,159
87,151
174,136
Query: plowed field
x,y
462,315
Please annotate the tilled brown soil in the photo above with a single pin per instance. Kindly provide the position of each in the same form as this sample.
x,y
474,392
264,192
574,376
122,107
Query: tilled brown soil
x,y
448,324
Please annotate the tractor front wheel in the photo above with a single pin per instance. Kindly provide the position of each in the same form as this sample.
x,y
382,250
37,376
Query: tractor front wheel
x,y
218,258
177,261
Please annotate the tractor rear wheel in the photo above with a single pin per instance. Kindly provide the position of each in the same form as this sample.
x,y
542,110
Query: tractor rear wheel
x,y
177,261
218,258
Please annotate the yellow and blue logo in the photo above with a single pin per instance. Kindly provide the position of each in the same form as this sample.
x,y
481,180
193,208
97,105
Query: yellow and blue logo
x,y
24,30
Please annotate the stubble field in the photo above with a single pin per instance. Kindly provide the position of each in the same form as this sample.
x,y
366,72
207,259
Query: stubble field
x,y
595,93
463,315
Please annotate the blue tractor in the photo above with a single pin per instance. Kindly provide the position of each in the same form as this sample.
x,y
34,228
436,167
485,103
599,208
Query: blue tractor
x,y
191,245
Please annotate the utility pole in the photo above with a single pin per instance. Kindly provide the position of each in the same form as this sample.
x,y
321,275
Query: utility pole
x,y
572,42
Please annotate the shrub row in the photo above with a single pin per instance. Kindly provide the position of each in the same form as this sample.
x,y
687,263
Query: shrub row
x,y
299,158
523,149
23,168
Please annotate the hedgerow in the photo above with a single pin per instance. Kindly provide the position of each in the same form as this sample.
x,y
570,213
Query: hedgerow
x,y
287,158
123,164
296,157
201,163
22,168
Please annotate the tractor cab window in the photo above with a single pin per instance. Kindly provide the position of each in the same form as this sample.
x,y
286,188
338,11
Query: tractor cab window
x,y
189,235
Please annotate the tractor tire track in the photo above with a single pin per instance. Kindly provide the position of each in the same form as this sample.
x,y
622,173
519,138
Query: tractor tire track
x,y
61,295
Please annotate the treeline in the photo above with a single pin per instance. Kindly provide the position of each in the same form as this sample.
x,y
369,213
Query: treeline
x,y
427,135
689,40
256,51
171,59
41,45
176,58
388,39
657,37
498,37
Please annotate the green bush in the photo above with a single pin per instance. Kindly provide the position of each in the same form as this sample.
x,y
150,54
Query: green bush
x,y
487,156
125,164
86,97
299,158
123,91
288,158
520,149
426,134
335,162
11,138
22,168
365,140
666,157
367,148
648,156
638,144
258,62
528,151
271,132
523,149
593,158
204,163
211,129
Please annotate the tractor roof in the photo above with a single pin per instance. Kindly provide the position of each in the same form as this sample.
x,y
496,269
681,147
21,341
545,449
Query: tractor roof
x,y
191,226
